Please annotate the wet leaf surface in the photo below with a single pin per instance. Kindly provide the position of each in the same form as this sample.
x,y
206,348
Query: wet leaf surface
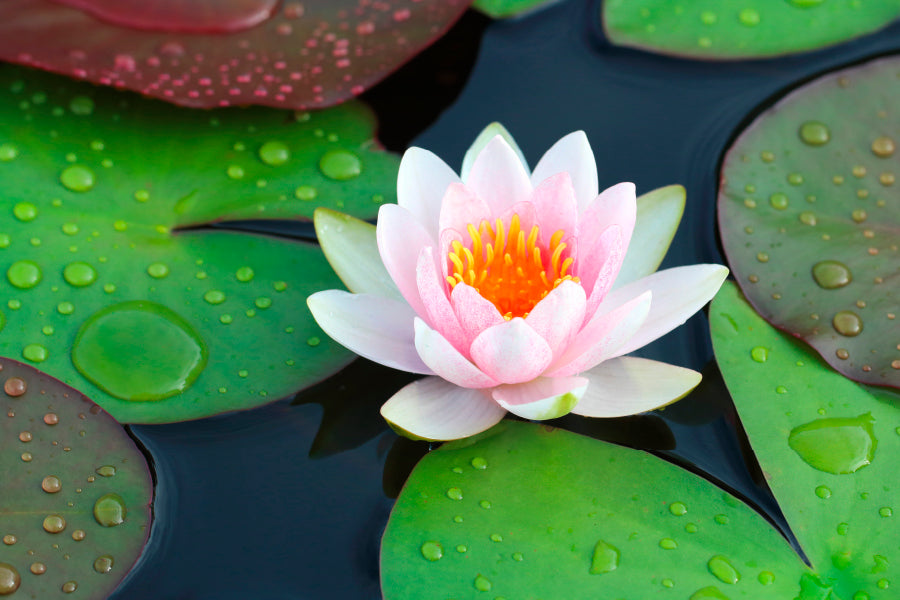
x,y
828,446
75,511
198,53
810,218
501,9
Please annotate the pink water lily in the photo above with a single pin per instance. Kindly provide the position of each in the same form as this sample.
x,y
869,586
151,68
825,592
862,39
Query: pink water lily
x,y
507,288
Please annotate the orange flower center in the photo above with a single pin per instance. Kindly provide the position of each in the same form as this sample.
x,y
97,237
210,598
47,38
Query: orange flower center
x,y
509,268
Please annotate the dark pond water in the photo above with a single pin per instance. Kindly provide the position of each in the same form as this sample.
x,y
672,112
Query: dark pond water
x,y
289,501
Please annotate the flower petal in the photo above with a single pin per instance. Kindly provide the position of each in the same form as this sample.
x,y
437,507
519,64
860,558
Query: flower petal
x,y
629,385
486,135
350,247
682,292
573,155
511,352
400,240
601,338
474,312
461,207
542,398
600,264
559,315
434,409
421,182
617,205
658,215
498,177
433,291
555,206
377,328
446,361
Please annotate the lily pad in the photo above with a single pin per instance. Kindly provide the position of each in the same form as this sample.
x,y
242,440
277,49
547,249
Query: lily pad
x,y
738,29
236,52
828,446
108,282
502,9
527,511
75,513
810,218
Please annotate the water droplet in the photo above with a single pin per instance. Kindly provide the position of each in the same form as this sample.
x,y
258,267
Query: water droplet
x,y
77,178
723,570
9,539
24,274
831,274
707,17
455,493
749,17
15,387
244,274
51,484
518,556
496,537
883,147
847,323
778,201
69,587
668,544
807,217
823,492
760,354
235,172
214,296
54,524
313,341
9,579
79,274
708,593
815,133
263,302
8,152
158,270
806,3
38,568
340,165
678,509
479,463
105,471
65,308
721,519
485,504
81,105
886,511
139,350
839,445
482,583
766,577
78,535
432,551
274,153
306,192
605,558
104,564
35,353
109,510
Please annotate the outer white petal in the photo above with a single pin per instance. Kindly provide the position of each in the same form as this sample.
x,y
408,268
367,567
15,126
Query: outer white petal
x,y
377,328
630,385
498,177
350,247
573,155
446,361
486,135
658,215
542,398
421,182
678,293
434,409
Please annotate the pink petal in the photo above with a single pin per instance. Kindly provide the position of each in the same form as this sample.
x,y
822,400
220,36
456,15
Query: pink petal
x,y
446,361
555,206
527,218
602,263
400,240
542,398
433,291
629,385
434,409
498,176
559,315
448,236
460,207
475,314
511,352
602,337
682,292
572,154
377,328
615,206
421,183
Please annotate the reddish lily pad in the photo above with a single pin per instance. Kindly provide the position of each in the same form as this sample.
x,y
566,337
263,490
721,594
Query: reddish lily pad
x,y
110,283
526,511
738,29
299,55
76,506
829,447
810,218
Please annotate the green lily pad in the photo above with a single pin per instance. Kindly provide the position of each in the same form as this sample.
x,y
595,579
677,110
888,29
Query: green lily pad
x,y
810,218
502,9
75,512
109,285
737,29
829,447
527,511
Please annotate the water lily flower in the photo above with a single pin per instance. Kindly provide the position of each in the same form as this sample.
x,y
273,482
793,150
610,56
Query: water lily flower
x,y
511,290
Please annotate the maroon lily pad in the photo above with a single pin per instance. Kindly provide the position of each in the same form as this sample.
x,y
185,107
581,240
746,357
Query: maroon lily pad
x,y
290,54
